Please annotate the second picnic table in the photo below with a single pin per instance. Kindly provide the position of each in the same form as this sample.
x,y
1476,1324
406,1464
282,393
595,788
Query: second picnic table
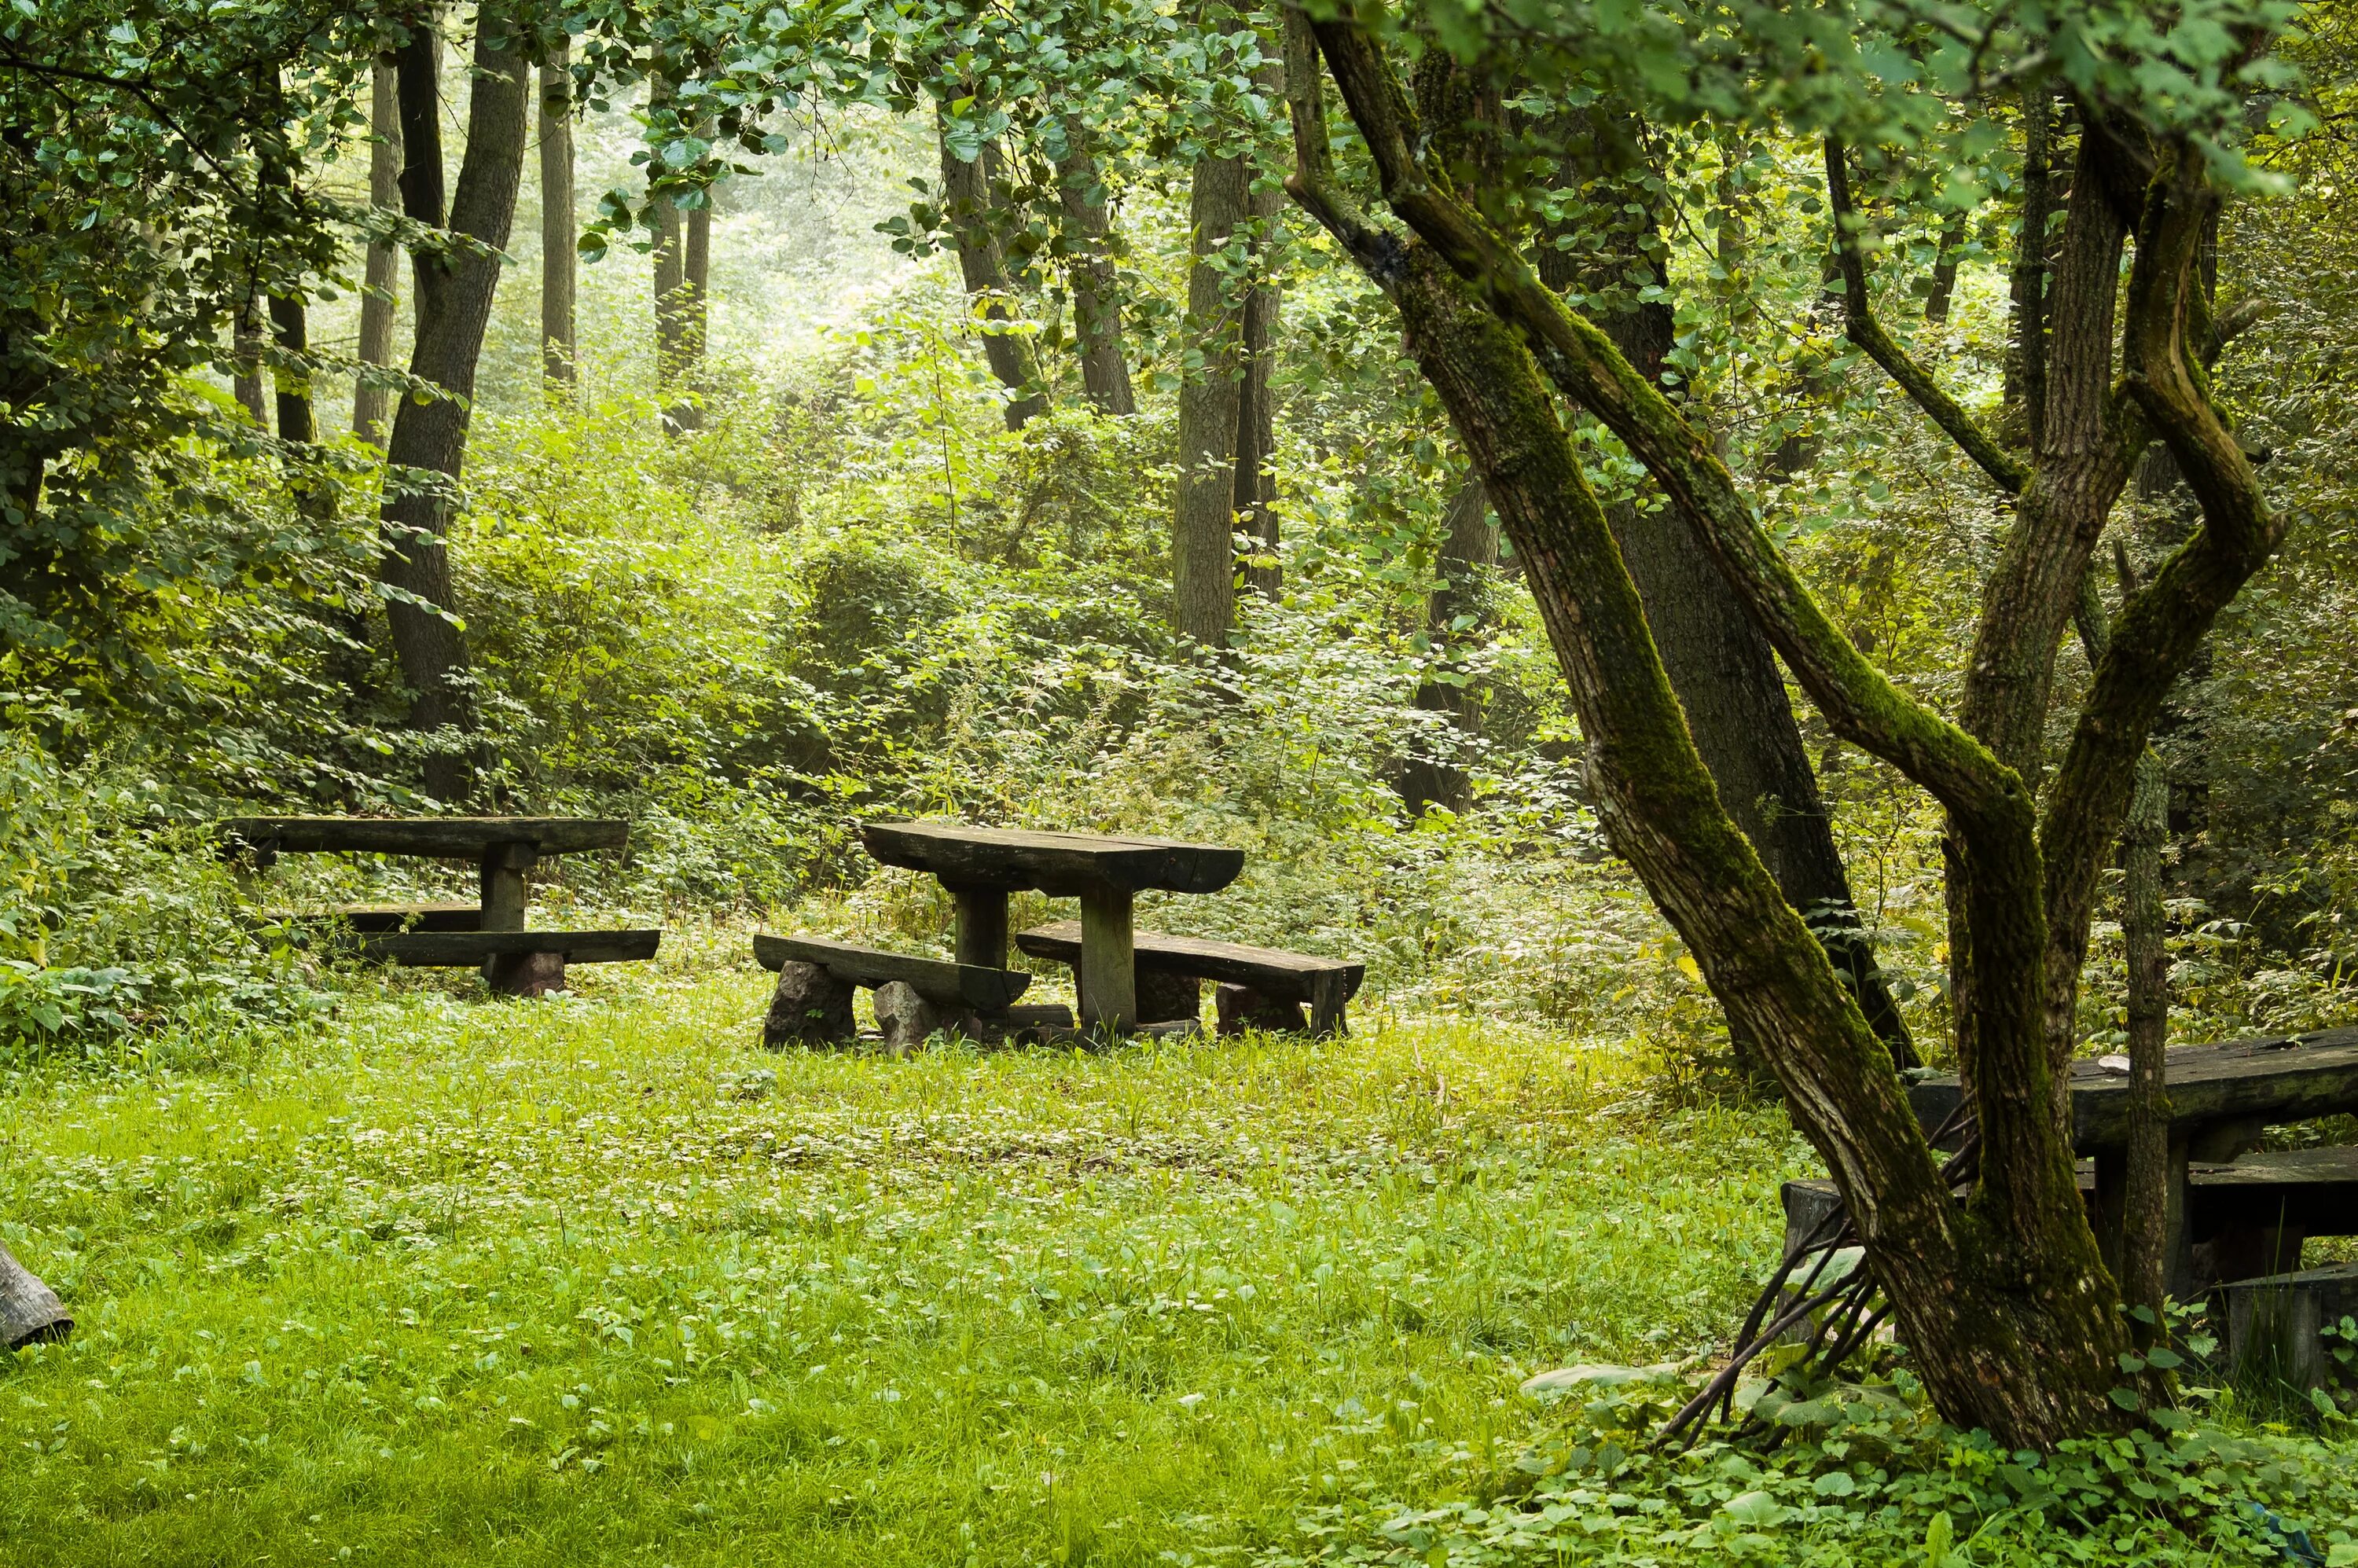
x,y
981,866
493,934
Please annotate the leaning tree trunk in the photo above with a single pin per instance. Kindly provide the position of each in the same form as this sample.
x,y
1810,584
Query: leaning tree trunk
x,y
373,403
30,1312
2009,1311
972,211
454,291
1719,663
1202,521
561,261
1097,291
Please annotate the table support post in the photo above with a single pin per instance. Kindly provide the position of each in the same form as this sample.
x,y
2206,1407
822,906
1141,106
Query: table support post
x,y
1108,976
981,926
506,869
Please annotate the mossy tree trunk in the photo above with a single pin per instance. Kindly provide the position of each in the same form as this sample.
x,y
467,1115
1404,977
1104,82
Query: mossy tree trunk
x,y
1203,522
974,214
1097,290
2003,1301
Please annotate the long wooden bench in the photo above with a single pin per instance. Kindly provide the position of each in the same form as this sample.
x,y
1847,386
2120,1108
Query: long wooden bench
x,y
373,918
1263,987
914,995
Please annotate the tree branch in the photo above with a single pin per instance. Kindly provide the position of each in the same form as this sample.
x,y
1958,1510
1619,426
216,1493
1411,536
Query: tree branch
x,y
1857,700
1858,313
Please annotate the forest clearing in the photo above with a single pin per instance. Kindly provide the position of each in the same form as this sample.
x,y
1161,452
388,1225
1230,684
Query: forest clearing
x,y
1100,782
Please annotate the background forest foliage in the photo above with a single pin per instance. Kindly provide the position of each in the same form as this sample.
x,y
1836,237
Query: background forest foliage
x,y
853,591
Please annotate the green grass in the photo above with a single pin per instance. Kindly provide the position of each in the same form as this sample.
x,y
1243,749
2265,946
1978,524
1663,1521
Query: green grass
x,y
601,1280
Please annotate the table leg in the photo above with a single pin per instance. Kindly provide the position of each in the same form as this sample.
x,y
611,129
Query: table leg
x,y
981,926
506,869
1109,973
2109,1211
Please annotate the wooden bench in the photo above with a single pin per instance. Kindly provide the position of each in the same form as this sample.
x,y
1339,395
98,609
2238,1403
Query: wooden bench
x,y
2249,1216
369,919
2275,1323
1259,987
914,995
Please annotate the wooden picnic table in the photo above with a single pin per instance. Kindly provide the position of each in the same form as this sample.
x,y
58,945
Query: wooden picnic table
x,y
504,850
2222,1098
980,865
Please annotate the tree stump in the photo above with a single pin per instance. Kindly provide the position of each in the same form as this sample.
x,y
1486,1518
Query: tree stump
x,y
30,1312
908,1020
1242,1008
1169,999
810,1007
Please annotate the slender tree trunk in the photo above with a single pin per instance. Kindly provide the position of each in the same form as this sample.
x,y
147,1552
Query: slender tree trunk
x,y
454,293
561,260
297,419
1097,291
1256,487
693,312
1203,528
372,404
1944,270
2145,1227
972,210
1469,547
245,383
2024,384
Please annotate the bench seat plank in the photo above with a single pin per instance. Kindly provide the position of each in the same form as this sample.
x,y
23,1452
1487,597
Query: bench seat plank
x,y
1276,974
1061,864
461,949
938,980
383,917
443,838
2312,1191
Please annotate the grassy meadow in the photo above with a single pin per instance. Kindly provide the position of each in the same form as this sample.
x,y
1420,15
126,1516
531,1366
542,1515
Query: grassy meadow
x,y
599,1280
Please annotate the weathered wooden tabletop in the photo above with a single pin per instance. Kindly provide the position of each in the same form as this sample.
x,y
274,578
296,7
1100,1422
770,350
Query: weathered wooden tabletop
x,y
2268,1078
1063,865
446,838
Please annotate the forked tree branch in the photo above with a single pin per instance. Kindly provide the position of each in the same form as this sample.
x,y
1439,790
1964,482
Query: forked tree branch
x,y
1858,315
2160,626
1863,705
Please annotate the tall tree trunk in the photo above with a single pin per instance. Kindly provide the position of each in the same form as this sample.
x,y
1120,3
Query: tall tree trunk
x,y
454,293
671,277
1097,291
2024,383
694,312
561,260
1944,270
297,420
246,381
972,210
1469,547
372,404
1255,486
2145,1224
1718,660
1202,525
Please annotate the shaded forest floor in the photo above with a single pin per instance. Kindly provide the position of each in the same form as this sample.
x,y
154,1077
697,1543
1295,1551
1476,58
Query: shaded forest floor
x,y
600,1279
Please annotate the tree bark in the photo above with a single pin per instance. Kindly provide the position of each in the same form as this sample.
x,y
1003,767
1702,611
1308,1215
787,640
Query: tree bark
x,y
971,209
1097,290
454,289
1203,524
561,260
1944,271
2145,1227
2025,386
297,420
372,404
1256,483
1720,664
245,382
